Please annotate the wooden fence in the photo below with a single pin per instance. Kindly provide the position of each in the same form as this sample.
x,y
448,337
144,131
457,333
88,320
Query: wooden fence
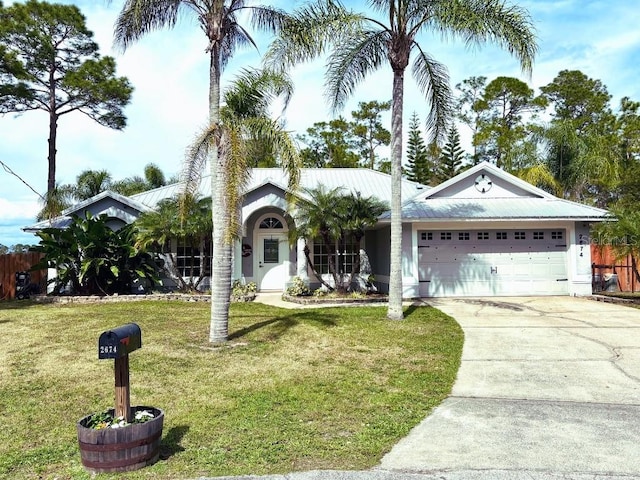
x,y
18,262
604,265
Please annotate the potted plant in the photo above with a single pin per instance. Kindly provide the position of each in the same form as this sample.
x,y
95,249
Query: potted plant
x,y
123,438
110,443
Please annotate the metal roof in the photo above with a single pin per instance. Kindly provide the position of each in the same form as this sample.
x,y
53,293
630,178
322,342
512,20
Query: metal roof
x,y
369,183
522,208
64,220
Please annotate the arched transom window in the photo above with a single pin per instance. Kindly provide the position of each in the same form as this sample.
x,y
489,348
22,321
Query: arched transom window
x,y
271,222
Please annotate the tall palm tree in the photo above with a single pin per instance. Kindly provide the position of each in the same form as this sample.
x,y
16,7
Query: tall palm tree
x,y
244,122
359,44
219,21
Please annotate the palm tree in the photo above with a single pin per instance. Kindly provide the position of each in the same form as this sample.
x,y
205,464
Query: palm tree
x,y
90,183
335,218
218,20
321,217
244,123
187,219
360,44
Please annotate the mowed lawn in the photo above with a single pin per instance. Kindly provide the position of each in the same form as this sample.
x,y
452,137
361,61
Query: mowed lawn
x,y
326,388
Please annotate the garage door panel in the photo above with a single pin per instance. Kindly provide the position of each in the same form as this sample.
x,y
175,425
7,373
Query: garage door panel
x,y
493,263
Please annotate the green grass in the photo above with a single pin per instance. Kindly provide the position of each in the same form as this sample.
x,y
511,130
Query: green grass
x,y
327,388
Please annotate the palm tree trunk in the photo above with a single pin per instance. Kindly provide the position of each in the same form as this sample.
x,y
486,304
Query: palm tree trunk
x,y
394,311
221,257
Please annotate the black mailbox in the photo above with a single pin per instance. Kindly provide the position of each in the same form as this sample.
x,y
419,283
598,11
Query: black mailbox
x,y
120,341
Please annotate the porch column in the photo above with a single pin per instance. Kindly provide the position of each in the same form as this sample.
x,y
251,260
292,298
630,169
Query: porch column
x,y
301,268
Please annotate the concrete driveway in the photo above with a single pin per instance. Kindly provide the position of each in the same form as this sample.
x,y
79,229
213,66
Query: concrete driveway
x,y
547,386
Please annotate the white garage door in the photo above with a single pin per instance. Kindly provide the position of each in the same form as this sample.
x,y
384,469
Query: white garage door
x,y
492,262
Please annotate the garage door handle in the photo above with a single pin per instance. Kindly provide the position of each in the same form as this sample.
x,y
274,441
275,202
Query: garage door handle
x,y
494,269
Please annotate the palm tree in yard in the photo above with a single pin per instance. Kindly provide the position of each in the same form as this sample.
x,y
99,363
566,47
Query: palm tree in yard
x,y
218,20
244,123
360,43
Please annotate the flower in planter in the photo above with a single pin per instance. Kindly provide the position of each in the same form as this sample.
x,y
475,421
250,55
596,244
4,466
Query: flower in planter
x,y
101,420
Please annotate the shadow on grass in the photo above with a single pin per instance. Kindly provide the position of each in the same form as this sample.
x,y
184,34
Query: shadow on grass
x,y
280,325
16,304
413,308
170,444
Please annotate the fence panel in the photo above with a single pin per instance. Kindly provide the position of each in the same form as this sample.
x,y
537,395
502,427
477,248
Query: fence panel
x,y
18,262
604,262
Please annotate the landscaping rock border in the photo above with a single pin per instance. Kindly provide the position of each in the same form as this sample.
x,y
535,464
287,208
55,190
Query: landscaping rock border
x,y
64,299
311,300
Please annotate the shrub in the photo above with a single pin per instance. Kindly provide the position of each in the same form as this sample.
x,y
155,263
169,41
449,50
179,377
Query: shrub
x,y
91,258
298,288
243,292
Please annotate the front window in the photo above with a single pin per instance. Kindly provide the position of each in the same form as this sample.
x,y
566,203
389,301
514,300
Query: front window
x,y
191,261
346,256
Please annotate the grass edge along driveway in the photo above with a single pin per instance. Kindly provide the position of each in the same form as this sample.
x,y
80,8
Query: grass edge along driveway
x,y
327,388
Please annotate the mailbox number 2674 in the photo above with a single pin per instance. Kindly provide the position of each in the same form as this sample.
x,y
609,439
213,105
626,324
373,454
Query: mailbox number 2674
x,y
108,349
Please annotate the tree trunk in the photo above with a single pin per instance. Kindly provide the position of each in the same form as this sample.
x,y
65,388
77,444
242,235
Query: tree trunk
x,y
221,257
53,132
313,268
394,311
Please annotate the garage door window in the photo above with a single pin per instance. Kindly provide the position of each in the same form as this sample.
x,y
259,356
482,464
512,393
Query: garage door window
x,y
538,235
501,235
463,236
520,235
445,235
483,235
556,235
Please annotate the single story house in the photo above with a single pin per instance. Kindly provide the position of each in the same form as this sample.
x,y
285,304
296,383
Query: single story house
x,y
484,232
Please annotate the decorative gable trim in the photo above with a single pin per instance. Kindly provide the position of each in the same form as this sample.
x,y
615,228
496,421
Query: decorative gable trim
x,y
491,170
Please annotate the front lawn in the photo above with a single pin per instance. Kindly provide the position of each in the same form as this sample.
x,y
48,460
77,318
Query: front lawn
x,y
327,388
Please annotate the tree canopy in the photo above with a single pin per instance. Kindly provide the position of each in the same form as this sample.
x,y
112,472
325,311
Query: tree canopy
x,y
49,62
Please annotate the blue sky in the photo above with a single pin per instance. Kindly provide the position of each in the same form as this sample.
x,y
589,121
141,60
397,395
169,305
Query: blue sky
x,y
169,71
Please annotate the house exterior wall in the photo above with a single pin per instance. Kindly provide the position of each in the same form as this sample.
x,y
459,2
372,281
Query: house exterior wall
x,y
112,208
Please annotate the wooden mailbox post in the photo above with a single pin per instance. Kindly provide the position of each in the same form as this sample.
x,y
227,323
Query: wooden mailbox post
x,y
117,344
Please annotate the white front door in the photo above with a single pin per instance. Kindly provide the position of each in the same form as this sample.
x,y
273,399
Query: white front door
x,y
272,261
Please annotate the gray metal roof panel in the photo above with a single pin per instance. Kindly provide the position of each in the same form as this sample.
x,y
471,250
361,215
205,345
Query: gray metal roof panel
x,y
497,208
368,182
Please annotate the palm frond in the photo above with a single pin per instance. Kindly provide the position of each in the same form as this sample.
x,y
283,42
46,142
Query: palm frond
x,y
351,62
253,91
233,155
310,32
479,22
541,176
196,158
432,79
139,17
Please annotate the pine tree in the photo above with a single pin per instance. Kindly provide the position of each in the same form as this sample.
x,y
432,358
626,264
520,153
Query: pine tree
x,y
451,158
418,168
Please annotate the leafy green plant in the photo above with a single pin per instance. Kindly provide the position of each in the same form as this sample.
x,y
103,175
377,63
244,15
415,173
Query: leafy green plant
x,y
298,288
241,292
105,419
91,258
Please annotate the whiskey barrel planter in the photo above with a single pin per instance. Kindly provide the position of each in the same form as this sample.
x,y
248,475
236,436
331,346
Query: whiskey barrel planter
x,y
121,449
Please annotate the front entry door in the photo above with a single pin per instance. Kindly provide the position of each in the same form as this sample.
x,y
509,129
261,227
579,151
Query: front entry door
x,y
273,261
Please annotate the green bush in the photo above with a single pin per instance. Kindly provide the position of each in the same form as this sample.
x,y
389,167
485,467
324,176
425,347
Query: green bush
x,y
242,292
298,288
92,259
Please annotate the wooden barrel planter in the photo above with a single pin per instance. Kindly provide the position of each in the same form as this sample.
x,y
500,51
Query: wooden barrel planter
x,y
121,449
